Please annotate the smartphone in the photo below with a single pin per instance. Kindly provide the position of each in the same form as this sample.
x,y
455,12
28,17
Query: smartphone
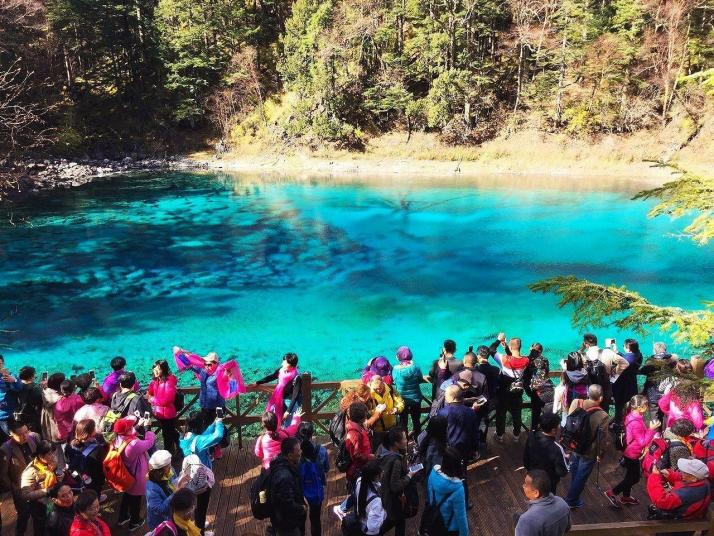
x,y
481,400
92,374
415,468
147,415
219,413
45,375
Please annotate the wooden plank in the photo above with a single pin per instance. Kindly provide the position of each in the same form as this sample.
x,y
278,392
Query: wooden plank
x,y
632,528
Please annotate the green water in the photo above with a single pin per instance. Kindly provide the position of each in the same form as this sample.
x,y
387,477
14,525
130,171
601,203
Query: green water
x,y
335,272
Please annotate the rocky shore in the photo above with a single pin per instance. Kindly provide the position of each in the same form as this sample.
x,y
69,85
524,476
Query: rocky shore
x,y
21,178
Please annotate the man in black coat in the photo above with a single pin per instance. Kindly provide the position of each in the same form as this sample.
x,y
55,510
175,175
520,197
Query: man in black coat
x,y
286,497
544,452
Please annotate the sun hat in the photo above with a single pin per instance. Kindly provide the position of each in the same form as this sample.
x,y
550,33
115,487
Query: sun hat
x,y
696,468
160,459
404,353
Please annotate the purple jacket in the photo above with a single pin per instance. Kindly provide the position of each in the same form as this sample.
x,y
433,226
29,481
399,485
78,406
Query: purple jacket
x,y
137,461
111,384
637,435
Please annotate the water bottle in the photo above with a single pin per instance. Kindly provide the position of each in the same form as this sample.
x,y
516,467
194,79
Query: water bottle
x,y
263,497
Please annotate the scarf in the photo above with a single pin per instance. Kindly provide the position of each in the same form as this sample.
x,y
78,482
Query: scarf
x,y
186,525
46,474
277,402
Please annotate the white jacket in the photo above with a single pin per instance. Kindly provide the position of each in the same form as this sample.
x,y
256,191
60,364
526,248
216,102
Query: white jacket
x,y
375,514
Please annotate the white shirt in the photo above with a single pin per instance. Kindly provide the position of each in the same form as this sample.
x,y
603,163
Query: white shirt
x,y
614,362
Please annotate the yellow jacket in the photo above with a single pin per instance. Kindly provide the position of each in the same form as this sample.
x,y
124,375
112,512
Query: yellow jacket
x,y
393,401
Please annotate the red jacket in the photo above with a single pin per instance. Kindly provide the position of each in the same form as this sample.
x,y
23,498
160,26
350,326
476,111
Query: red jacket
x,y
83,527
358,447
163,395
687,500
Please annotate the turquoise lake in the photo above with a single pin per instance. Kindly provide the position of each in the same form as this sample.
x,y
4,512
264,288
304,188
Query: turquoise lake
x,y
337,272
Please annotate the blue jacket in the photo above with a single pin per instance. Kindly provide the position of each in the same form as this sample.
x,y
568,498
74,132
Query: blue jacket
x,y
407,380
453,509
8,398
199,444
462,427
209,397
158,505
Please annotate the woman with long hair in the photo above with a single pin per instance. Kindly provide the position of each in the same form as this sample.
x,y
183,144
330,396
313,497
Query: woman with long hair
x,y
85,453
162,397
286,397
431,444
368,502
573,384
637,438
625,387
267,446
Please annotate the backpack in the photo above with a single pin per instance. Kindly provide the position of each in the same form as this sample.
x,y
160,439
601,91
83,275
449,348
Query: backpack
x,y
408,502
704,450
432,523
261,486
164,525
312,488
351,524
597,371
113,415
577,391
343,459
115,470
179,401
657,454
577,435
337,427
78,462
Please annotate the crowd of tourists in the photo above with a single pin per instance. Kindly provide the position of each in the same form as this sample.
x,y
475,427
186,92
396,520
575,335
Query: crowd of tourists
x,y
67,441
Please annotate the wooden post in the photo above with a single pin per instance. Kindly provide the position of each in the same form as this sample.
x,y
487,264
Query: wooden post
x,y
307,396
240,424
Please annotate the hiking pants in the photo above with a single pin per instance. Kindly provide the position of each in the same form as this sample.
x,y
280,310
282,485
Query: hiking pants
x,y
511,403
315,522
413,409
169,431
201,509
632,477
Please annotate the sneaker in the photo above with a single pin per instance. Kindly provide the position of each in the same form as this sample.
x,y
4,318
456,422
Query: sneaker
x,y
629,500
122,522
578,504
614,501
515,438
339,512
498,438
136,525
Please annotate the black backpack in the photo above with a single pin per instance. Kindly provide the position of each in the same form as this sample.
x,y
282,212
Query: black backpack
x,y
432,523
351,524
179,401
261,510
343,459
577,435
337,428
597,371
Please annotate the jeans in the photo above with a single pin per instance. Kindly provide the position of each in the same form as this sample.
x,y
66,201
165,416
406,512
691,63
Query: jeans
x,y
580,469
411,408
632,477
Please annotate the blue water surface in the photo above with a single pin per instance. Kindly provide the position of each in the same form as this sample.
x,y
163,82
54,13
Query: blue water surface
x,y
335,272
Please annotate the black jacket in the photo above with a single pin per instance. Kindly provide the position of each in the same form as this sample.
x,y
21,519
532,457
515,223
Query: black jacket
x,y
286,495
453,366
543,453
29,405
59,521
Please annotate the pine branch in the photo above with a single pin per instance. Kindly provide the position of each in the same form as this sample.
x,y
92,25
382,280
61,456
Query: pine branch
x,y
598,306
688,193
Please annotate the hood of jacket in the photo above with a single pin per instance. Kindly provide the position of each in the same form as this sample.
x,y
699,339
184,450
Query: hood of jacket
x,y
576,376
383,452
442,484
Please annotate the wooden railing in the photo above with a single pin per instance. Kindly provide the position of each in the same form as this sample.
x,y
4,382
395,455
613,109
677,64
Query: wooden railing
x,y
318,399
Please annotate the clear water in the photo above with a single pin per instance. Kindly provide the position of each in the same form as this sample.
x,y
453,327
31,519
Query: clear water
x,y
335,272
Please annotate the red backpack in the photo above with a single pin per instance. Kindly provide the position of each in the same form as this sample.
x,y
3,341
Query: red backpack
x,y
657,454
115,471
704,450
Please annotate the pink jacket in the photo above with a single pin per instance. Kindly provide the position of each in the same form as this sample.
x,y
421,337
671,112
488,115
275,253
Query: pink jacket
x,y
672,408
637,435
267,448
163,394
64,411
137,461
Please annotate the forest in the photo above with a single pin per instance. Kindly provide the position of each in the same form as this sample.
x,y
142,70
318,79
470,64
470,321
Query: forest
x,y
106,76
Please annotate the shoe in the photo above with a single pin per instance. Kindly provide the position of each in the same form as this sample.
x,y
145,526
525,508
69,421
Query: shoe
x,y
339,512
122,522
136,525
629,500
515,438
578,504
498,438
614,501
218,453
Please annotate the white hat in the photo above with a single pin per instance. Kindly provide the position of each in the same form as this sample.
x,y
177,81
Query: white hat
x,y
696,468
159,459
